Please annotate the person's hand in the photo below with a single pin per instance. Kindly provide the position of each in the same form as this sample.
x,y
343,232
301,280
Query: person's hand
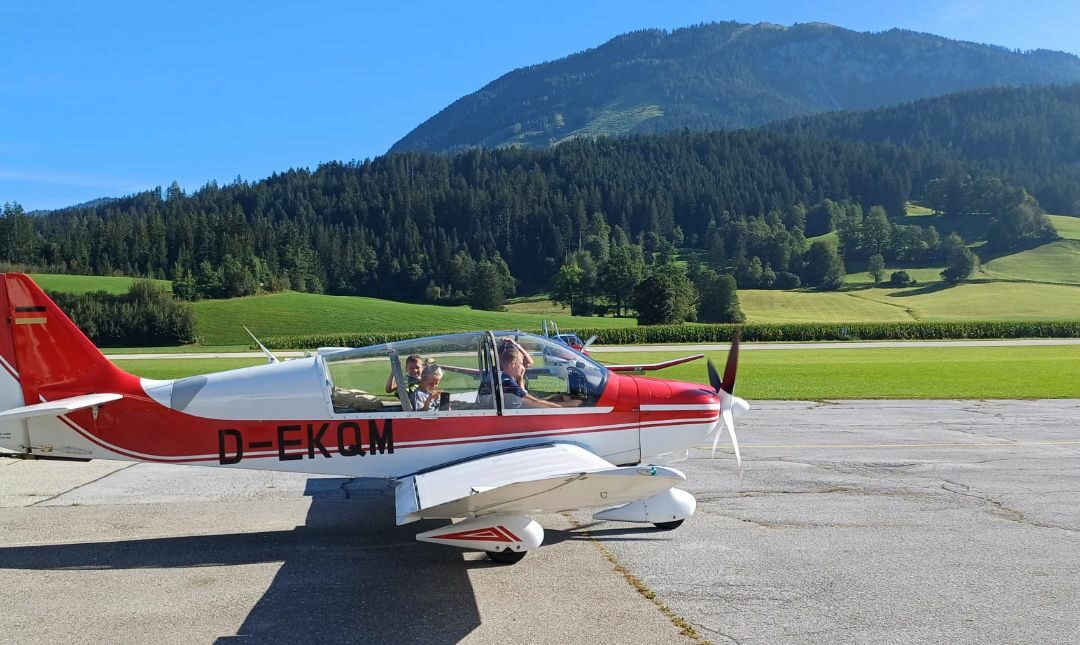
x,y
433,400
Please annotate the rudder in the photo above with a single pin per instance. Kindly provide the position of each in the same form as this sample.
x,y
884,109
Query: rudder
x,y
45,352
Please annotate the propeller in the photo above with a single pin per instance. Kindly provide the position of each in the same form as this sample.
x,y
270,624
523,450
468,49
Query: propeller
x,y
592,339
729,403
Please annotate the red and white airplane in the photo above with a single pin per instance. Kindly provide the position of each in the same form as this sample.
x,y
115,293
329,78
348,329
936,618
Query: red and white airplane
x,y
561,432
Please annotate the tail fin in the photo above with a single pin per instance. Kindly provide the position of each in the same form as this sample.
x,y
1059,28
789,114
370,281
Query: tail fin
x,y
46,354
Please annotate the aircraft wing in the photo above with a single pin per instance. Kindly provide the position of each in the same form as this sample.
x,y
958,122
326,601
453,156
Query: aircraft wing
x,y
59,407
533,480
654,366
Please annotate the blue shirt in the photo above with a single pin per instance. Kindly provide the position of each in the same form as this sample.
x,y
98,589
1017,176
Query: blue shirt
x,y
510,386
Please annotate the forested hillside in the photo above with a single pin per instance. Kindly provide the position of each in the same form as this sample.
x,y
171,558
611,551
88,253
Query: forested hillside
x,y
413,226
1031,135
725,75
430,228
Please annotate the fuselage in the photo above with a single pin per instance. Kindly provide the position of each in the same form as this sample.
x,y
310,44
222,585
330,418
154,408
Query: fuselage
x,y
281,417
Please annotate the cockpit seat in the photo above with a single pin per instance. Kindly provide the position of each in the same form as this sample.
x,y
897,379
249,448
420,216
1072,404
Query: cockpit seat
x,y
346,400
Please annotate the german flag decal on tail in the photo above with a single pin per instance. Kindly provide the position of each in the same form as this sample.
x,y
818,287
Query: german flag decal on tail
x,y
30,315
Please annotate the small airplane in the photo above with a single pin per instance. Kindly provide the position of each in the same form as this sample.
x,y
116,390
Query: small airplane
x,y
570,339
486,428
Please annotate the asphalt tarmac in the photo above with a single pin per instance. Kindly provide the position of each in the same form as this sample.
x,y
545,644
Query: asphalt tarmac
x,y
853,522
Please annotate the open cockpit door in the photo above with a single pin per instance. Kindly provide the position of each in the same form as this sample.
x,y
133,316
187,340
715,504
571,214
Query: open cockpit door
x,y
399,379
489,371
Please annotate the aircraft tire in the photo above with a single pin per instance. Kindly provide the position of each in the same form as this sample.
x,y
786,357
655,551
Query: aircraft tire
x,y
507,556
668,526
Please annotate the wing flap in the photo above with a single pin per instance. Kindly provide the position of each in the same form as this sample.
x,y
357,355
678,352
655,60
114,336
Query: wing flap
x,y
60,407
540,479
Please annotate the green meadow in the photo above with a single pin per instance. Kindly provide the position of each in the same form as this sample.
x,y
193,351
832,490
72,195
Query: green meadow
x,y
992,301
220,322
86,283
1056,262
892,373
1068,226
170,368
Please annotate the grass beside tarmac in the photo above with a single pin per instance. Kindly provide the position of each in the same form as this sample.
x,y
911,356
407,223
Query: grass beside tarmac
x,y
1031,372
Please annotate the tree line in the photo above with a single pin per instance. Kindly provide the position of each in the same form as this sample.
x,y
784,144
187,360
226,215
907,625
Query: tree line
x,y
417,227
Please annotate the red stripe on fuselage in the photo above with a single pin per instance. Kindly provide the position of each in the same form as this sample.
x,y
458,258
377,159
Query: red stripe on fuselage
x,y
303,450
138,427
8,369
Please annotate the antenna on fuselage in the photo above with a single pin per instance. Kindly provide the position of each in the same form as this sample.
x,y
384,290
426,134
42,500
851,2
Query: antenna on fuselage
x,y
269,356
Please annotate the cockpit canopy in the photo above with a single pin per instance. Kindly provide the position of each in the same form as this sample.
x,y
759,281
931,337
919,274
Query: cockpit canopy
x,y
399,376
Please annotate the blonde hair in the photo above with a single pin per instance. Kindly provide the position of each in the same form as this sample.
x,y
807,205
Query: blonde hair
x,y
431,368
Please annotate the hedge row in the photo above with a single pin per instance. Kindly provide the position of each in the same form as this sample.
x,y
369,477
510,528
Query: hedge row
x,y
144,316
750,332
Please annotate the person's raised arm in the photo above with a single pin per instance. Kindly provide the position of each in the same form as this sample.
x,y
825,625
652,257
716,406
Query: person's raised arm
x,y
526,359
391,384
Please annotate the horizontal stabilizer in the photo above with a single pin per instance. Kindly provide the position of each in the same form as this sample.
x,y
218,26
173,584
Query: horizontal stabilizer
x,y
60,407
534,480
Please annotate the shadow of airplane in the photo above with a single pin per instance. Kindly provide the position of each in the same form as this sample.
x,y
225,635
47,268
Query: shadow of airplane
x,y
348,575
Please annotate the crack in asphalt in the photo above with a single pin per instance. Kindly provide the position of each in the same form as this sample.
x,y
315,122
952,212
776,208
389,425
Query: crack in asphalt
x,y
685,627
1003,510
87,483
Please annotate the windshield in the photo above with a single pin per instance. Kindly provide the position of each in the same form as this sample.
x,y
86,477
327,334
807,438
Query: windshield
x,y
557,372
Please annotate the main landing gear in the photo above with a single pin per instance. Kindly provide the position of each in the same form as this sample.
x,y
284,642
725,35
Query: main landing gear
x,y
506,556
507,538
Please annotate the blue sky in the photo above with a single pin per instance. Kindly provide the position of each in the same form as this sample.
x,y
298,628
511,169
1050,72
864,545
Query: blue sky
x,y
109,97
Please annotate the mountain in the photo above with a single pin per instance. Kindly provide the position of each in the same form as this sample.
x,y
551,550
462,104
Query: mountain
x,y
100,201
723,76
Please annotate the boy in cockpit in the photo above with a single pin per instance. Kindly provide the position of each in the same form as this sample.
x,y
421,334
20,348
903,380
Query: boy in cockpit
x,y
414,364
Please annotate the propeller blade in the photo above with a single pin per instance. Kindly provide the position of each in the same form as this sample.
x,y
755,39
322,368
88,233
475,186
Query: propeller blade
x,y
728,383
714,378
592,339
715,439
730,424
728,400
